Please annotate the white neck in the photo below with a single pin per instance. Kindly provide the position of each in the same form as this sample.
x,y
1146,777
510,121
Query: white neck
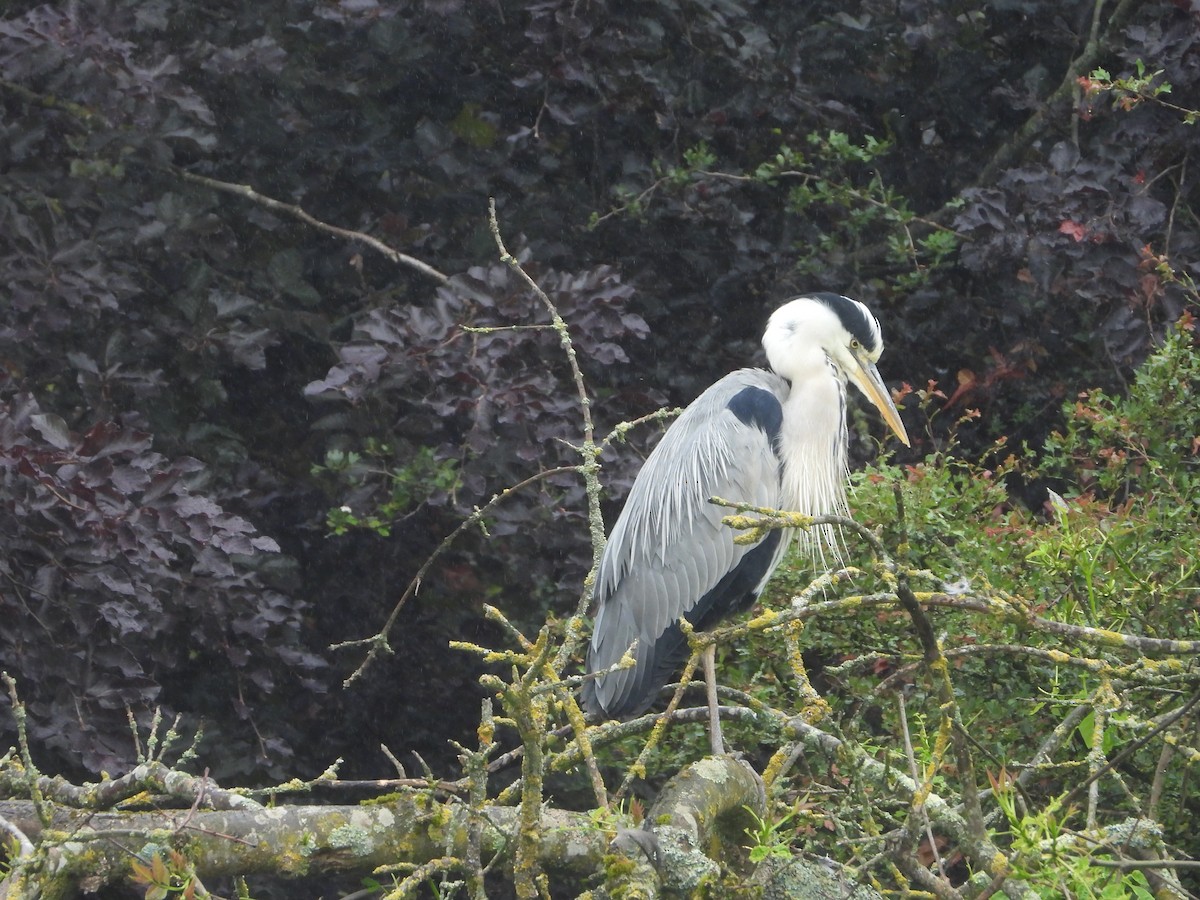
x,y
814,473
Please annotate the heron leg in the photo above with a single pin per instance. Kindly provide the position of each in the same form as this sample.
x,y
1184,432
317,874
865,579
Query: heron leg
x,y
709,658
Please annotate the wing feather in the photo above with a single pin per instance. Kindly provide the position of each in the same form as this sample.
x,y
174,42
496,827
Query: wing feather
x,y
669,549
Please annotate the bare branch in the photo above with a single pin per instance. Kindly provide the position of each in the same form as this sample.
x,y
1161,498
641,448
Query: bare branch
x,y
296,212
378,641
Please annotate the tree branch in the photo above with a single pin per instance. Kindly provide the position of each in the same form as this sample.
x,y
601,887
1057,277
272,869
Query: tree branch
x,y
296,212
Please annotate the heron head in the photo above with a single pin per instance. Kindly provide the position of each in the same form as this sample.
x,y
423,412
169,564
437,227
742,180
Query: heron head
x,y
805,332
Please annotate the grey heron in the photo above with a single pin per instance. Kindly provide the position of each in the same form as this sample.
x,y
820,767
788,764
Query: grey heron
x,y
771,438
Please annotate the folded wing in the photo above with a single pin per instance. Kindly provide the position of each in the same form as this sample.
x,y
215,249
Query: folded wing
x,y
669,556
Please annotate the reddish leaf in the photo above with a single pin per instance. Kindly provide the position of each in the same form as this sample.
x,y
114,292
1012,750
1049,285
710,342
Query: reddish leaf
x,y
1074,229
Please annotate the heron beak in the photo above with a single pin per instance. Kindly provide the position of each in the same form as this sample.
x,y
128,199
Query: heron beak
x,y
866,378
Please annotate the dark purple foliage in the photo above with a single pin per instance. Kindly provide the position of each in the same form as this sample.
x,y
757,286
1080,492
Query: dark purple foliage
x,y
175,360
502,404
118,572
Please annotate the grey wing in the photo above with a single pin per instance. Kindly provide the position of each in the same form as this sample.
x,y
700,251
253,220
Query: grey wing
x,y
669,555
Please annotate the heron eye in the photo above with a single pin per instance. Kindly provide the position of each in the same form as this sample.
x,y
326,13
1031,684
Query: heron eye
x,y
854,344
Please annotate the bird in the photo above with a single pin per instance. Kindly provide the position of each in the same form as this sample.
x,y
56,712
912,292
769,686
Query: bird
x,y
772,438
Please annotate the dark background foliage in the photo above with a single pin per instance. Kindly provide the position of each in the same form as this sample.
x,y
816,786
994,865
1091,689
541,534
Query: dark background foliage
x,y
177,360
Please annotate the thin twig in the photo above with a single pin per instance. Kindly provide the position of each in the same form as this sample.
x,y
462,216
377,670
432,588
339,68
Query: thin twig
x,y
296,212
589,468
378,641
1036,125
918,812
1164,722
24,845
31,774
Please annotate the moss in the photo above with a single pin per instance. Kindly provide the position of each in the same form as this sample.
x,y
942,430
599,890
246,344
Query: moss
x,y
626,879
307,844
765,619
384,800
727,887
438,823
712,769
999,864
350,837
617,866
800,879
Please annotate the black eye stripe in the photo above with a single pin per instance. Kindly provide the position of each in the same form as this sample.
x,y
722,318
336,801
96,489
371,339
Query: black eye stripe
x,y
855,318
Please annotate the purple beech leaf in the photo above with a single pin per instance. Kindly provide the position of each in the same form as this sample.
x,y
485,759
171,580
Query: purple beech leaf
x,y
53,429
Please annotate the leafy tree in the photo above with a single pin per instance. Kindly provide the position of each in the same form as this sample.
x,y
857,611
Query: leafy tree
x,y
1088,787
196,372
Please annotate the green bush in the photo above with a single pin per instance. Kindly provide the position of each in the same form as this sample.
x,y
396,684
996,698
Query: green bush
x,y
1112,549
